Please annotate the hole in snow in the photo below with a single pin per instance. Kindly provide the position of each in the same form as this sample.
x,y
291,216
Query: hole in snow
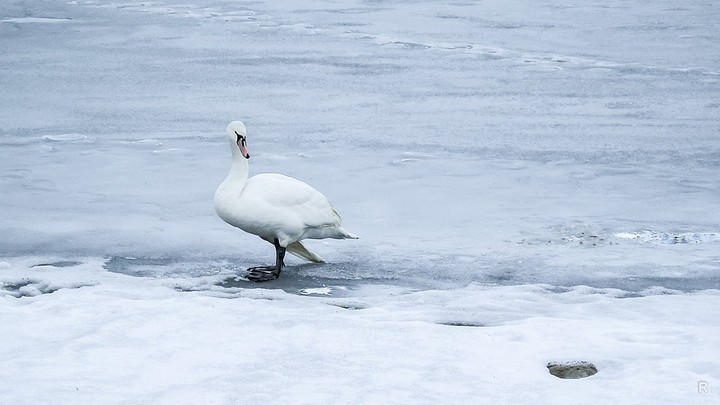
x,y
465,324
572,369
61,263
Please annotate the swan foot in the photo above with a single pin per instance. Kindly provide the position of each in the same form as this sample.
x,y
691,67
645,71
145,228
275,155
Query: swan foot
x,y
260,274
269,273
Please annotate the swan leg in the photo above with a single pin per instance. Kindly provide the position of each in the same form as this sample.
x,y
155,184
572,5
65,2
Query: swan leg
x,y
268,273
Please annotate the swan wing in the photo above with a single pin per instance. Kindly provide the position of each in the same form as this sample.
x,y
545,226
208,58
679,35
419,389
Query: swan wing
x,y
274,204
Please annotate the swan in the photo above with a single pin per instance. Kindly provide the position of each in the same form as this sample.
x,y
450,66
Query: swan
x,y
279,209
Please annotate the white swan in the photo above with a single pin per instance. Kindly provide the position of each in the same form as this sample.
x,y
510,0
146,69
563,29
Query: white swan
x,y
279,209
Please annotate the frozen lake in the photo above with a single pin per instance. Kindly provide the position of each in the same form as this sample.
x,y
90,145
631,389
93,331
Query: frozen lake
x,y
505,163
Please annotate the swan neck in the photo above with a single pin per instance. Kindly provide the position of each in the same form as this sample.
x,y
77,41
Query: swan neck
x,y
239,169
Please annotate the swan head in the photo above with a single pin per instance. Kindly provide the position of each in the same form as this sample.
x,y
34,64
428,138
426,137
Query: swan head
x,y
238,139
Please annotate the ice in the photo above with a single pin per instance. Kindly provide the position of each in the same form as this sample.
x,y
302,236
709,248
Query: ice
x,y
317,291
533,182
670,237
25,20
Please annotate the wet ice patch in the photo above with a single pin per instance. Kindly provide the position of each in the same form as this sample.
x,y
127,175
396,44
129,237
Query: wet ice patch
x,y
164,267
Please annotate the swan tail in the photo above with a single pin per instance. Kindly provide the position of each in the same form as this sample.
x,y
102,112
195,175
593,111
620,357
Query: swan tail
x,y
347,235
299,250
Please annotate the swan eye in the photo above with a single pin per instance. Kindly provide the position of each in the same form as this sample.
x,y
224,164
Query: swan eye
x,y
240,138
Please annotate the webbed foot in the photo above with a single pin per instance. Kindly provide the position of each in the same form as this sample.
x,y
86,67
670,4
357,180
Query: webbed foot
x,y
265,273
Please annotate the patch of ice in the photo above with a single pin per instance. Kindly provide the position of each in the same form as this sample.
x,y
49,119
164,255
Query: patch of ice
x,y
417,155
317,291
67,138
60,263
412,157
671,238
151,142
405,160
33,20
171,150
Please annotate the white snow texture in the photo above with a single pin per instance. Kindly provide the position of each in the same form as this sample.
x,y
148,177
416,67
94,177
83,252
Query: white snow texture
x,y
533,181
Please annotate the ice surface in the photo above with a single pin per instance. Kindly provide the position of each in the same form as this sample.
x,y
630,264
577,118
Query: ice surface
x,y
515,169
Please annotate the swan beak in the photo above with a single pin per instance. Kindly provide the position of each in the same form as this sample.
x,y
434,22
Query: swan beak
x,y
244,150
242,144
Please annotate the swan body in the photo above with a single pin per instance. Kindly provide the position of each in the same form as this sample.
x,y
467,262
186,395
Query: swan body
x,y
279,209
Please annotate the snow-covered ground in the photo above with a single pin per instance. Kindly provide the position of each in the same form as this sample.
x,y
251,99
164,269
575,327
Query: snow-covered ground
x,y
532,181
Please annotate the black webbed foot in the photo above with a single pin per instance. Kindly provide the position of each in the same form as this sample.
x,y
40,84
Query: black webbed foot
x,y
260,274
269,273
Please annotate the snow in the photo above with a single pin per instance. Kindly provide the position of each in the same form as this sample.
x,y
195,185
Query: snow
x,y
533,182
110,338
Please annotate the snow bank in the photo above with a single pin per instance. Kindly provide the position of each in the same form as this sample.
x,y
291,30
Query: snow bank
x,y
129,340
